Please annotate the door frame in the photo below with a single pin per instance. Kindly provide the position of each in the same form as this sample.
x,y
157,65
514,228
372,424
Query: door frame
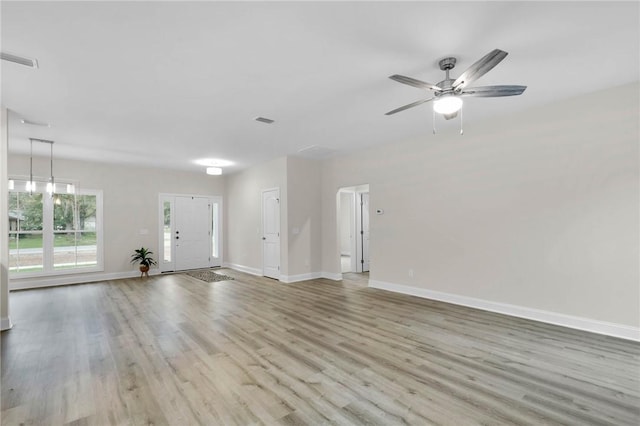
x,y
356,242
162,197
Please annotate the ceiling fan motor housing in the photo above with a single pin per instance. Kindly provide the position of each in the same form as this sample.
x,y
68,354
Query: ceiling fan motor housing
x,y
446,85
447,64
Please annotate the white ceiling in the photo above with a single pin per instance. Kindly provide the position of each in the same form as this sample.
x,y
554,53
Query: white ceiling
x,y
166,83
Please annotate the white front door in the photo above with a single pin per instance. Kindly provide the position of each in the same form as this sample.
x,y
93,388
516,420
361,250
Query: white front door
x,y
271,233
189,232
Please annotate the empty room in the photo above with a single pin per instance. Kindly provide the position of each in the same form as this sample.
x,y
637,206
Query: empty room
x,y
319,213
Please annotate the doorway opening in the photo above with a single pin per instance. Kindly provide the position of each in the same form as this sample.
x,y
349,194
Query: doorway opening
x,y
353,228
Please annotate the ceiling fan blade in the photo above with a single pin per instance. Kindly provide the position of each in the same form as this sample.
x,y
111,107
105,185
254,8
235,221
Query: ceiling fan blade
x,y
493,91
411,105
480,68
415,83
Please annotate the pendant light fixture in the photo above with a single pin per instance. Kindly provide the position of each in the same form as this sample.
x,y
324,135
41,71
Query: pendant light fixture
x,y
31,185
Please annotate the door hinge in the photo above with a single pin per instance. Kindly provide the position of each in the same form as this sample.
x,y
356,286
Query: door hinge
x,y
278,200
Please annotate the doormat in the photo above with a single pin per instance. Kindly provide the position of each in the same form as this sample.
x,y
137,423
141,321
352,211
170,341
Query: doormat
x,y
208,276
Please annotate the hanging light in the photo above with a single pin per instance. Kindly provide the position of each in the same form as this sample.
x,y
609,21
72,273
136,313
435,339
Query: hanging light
x,y
51,184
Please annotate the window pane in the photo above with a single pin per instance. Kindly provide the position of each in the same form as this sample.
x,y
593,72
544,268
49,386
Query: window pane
x,y
215,231
74,249
65,212
25,252
64,250
27,210
87,250
86,205
167,231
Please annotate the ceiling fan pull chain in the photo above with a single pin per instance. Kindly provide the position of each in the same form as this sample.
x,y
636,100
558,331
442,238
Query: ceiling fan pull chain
x,y
434,121
461,130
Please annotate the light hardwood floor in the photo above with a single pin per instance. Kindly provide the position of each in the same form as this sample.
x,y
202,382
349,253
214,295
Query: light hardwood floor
x,y
174,350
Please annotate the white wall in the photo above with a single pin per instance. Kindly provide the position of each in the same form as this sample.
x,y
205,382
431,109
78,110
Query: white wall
x,y
346,222
304,209
300,220
130,200
243,207
537,209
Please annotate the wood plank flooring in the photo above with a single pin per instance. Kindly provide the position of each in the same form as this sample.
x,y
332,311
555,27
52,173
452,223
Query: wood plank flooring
x,y
172,350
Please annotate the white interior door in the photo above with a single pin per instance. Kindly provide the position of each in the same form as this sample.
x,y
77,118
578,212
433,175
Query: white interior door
x,y
271,233
190,232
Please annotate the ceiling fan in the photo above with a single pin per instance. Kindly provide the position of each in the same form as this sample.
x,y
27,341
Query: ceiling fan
x,y
447,94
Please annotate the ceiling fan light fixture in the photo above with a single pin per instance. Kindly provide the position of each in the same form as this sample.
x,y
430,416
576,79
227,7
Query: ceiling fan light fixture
x,y
447,104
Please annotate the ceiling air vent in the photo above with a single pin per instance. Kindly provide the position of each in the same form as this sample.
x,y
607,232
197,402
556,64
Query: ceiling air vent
x,y
27,62
264,120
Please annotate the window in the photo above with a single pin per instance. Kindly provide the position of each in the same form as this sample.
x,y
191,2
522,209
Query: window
x,y
54,234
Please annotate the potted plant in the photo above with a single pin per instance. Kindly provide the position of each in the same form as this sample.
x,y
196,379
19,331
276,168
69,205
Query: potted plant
x,y
143,257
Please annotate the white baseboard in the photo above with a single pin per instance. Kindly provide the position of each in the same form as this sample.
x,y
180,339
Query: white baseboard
x,y
52,281
331,276
300,277
579,323
5,323
242,268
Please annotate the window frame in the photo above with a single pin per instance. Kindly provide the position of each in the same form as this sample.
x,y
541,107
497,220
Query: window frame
x,y
48,240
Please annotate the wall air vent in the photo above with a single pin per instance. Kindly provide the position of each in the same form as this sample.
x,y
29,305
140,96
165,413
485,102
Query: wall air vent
x,y
27,62
264,120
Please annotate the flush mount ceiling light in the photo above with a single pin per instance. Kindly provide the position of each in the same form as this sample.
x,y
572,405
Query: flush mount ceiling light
x,y
213,162
215,171
20,60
